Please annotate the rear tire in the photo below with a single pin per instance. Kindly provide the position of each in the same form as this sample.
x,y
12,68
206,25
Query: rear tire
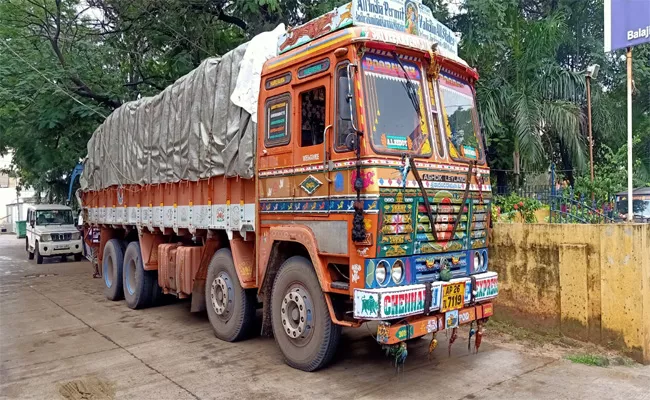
x,y
112,265
138,284
301,321
39,257
231,309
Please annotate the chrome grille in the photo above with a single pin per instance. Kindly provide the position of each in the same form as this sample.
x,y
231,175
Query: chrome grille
x,y
61,237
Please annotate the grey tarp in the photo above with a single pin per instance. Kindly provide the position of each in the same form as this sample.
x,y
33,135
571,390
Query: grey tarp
x,y
189,131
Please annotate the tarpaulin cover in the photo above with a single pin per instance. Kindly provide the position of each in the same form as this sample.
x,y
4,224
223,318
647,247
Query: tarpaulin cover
x,y
189,131
261,48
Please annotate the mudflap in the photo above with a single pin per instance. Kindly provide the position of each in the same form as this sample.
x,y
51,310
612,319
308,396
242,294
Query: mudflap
x,y
198,296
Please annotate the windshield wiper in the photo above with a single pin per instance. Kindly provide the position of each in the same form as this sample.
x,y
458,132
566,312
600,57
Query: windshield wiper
x,y
411,91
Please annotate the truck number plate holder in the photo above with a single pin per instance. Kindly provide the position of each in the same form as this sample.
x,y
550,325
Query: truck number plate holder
x,y
453,297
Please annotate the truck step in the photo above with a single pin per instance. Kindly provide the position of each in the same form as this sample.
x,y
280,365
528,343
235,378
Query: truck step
x,y
341,285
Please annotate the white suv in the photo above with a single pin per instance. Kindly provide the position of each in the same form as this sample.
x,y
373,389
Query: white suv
x,y
51,232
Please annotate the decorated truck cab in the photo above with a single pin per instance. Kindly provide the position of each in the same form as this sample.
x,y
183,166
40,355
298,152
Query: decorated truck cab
x,y
417,168
352,189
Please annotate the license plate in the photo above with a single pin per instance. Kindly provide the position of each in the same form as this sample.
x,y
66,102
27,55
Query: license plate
x,y
61,247
453,296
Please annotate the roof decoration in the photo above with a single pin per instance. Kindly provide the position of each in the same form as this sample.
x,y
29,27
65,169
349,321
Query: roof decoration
x,y
410,16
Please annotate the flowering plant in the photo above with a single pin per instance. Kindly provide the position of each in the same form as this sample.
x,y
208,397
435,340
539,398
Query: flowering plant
x,y
506,208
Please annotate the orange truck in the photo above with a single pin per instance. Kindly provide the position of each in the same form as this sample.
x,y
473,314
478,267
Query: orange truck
x,y
354,190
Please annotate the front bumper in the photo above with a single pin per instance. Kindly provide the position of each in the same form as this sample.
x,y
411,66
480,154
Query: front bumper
x,y
399,332
60,248
403,301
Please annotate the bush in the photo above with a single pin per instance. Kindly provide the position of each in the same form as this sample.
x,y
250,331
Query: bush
x,y
505,208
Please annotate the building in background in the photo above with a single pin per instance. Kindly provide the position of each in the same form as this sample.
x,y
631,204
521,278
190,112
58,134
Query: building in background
x,y
13,206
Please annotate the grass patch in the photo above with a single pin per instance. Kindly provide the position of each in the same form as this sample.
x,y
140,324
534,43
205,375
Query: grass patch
x,y
589,359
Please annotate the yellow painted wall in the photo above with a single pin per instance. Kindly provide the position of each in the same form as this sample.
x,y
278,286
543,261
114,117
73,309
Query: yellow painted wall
x,y
590,282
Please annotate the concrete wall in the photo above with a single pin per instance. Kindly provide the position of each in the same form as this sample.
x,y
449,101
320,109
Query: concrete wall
x,y
589,282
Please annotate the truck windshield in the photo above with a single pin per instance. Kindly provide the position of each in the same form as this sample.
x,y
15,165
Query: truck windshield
x,y
54,217
458,111
394,123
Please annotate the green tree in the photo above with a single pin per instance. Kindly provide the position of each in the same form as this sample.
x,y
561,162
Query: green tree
x,y
64,64
529,102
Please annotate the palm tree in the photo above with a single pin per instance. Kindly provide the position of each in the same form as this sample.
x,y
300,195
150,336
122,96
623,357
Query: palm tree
x,y
528,99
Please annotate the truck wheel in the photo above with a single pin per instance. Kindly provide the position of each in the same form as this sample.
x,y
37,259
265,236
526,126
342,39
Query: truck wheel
x,y
138,283
112,269
39,257
30,254
77,257
231,309
301,321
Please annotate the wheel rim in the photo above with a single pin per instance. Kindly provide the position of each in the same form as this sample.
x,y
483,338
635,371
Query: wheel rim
x,y
130,277
108,271
221,295
297,314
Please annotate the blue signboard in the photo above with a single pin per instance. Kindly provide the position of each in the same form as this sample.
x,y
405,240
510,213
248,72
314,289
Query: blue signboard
x,y
627,23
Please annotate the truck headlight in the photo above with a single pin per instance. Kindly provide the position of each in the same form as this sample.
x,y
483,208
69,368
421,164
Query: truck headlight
x,y
75,236
46,237
477,261
381,271
484,261
397,272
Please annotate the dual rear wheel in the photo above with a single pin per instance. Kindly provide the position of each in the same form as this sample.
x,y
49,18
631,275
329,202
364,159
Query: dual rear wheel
x,y
140,287
125,277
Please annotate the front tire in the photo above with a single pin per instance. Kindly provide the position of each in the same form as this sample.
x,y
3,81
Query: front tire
x,y
77,257
112,265
138,284
39,257
231,309
301,321
30,254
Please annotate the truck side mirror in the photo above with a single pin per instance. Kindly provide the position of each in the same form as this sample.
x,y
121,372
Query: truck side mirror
x,y
349,96
345,97
32,223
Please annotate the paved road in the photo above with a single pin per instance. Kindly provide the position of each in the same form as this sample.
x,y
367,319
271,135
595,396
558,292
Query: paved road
x,y
60,338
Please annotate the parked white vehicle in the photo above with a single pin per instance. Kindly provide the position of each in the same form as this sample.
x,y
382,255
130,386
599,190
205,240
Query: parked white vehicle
x,y
51,232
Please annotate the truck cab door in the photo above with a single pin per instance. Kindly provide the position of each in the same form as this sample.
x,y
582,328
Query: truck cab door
x,y
312,145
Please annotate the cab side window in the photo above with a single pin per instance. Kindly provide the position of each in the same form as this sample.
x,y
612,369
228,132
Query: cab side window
x,y
278,119
312,112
